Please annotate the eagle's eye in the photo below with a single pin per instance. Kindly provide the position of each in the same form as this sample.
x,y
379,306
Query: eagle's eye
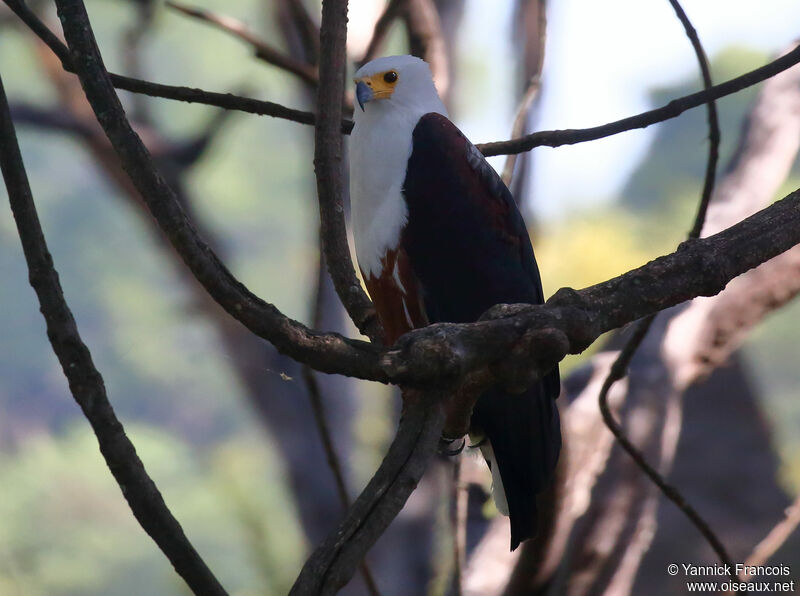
x,y
390,77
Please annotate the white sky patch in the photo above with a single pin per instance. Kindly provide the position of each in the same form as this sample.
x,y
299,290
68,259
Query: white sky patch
x,y
602,58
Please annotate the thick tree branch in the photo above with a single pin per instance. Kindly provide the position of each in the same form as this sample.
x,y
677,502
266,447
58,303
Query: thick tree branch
x,y
86,383
571,319
332,564
717,326
328,147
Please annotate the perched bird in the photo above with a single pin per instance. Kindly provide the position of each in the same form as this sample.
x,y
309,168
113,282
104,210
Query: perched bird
x,y
439,238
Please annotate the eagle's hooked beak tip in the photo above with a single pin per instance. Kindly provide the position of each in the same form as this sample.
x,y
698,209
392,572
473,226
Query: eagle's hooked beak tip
x,y
363,94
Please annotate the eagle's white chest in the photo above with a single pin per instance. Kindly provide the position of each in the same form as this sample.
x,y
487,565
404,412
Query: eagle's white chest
x,y
380,146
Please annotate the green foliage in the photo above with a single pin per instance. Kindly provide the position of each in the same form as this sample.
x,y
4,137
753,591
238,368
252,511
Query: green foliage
x,y
773,351
591,248
67,530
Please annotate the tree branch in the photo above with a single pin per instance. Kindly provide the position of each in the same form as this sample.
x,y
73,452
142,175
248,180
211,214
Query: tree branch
x,y
532,28
518,127
328,168
381,29
713,121
774,540
425,40
226,101
86,383
676,107
307,29
262,50
332,564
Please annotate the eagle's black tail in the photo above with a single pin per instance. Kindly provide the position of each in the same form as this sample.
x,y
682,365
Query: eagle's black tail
x,y
523,441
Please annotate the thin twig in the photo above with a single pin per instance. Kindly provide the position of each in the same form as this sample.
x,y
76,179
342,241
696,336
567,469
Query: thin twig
x,y
132,55
459,524
774,540
307,29
548,138
321,419
261,49
676,107
425,40
531,92
713,121
618,371
619,368
534,53
382,25
226,101
321,422
86,383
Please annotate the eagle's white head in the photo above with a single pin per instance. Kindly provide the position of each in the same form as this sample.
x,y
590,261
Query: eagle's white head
x,y
392,94
396,83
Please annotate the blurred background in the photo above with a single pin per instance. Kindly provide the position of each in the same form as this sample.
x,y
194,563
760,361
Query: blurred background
x,y
224,424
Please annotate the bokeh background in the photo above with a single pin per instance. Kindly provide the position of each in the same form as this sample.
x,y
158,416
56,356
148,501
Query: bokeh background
x,y
216,418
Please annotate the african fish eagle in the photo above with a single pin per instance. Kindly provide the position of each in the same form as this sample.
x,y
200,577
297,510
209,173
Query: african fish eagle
x,y
439,238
